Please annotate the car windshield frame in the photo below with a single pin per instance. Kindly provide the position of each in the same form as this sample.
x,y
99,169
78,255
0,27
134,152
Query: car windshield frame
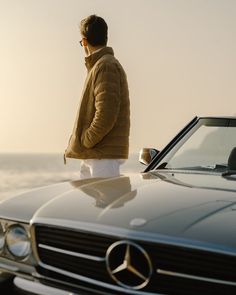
x,y
179,141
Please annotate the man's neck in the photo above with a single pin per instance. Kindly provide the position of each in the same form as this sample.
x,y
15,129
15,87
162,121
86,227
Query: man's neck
x,y
92,50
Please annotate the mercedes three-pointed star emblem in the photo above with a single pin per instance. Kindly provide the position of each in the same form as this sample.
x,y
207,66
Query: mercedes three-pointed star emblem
x,y
128,265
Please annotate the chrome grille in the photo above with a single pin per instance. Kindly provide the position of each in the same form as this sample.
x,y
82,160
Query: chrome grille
x,y
81,242
182,260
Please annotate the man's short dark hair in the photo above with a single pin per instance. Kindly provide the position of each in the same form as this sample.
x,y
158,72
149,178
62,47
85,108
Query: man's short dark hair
x,y
94,29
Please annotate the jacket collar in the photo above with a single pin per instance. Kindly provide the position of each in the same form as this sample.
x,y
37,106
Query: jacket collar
x,y
93,58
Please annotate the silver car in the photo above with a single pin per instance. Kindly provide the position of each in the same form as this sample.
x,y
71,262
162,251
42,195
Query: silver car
x,y
170,229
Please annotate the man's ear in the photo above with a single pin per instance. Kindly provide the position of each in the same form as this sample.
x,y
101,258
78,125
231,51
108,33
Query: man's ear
x,y
85,42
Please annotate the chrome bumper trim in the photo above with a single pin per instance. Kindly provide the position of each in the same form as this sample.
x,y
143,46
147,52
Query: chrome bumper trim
x,y
24,271
9,268
38,288
192,277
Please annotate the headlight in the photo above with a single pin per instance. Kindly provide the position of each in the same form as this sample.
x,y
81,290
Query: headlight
x,y
17,241
2,238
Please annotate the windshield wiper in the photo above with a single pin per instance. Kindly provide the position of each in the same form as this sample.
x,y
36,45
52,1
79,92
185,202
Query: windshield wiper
x,y
229,173
213,167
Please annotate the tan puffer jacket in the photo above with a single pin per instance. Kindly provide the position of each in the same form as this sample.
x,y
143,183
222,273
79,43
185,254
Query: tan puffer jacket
x,y
102,125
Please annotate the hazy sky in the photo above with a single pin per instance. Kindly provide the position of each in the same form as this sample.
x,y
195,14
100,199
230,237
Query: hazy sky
x,y
179,56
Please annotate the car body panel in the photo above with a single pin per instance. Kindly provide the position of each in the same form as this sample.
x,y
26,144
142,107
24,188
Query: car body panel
x,y
175,209
190,211
22,207
182,204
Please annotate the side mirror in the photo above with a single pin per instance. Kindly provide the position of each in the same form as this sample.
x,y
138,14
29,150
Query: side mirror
x,y
146,155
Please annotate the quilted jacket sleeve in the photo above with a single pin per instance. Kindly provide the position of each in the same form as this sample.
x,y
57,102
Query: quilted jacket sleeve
x,y
107,104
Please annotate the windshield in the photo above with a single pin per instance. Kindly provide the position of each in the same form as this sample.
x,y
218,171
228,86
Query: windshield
x,y
207,147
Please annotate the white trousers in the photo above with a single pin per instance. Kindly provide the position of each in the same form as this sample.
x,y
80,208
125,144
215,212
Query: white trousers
x,y
100,168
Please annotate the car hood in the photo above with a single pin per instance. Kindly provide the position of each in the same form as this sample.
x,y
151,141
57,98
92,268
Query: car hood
x,y
182,205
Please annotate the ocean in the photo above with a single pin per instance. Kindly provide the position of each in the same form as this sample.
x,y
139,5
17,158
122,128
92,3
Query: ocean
x,y
22,172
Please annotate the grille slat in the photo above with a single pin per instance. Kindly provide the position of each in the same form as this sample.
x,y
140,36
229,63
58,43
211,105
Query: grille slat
x,y
74,241
195,262
167,257
71,264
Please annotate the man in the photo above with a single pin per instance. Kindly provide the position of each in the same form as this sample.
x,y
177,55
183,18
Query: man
x,y
101,132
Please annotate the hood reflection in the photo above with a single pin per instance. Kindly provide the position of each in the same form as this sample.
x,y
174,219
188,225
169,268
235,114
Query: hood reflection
x,y
106,192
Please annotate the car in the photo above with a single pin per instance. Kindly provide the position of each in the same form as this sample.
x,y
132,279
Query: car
x,y
170,229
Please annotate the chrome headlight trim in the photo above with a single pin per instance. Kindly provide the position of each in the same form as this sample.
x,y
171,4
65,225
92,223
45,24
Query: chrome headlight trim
x,y
18,241
2,238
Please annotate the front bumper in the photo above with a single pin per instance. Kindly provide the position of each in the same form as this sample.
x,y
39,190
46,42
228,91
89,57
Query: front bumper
x,y
10,268
34,287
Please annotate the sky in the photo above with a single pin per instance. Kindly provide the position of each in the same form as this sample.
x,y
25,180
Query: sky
x,y
179,56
